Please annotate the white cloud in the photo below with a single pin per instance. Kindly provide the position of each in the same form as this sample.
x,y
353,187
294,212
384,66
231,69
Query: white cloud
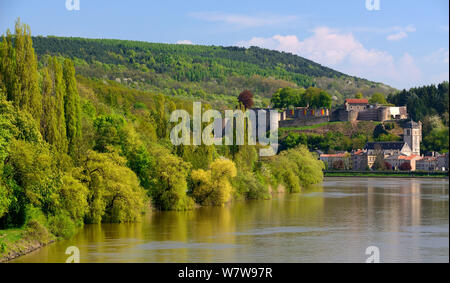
x,y
438,56
436,64
401,33
243,20
185,42
397,36
384,30
344,52
393,33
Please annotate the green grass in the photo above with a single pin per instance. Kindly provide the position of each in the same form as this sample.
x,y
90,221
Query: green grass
x,y
8,238
310,127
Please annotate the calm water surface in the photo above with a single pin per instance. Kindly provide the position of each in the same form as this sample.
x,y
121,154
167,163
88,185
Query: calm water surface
x,y
332,222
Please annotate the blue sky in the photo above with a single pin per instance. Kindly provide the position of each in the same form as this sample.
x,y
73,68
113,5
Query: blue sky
x,y
403,44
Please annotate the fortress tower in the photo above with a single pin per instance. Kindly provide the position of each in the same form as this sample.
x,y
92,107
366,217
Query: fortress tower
x,y
412,135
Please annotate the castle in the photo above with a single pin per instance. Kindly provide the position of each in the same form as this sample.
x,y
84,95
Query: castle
x,y
361,110
352,110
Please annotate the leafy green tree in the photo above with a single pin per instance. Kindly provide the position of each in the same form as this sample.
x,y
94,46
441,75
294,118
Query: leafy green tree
x,y
169,191
114,191
437,140
286,97
213,187
53,125
378,98
73,197
297,167
33,176
18,70
359,95
72,109
109,131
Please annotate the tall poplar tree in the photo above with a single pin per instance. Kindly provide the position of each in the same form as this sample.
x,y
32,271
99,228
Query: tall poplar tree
x,y
53,124
72,108
18,70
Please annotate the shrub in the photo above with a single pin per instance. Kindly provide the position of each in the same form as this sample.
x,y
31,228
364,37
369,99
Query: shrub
x,y
405,167
213,187
61,225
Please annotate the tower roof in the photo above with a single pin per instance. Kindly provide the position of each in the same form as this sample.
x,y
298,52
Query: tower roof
x,y
412,125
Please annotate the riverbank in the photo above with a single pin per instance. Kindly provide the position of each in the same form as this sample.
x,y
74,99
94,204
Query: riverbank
x,y
384,174
15,243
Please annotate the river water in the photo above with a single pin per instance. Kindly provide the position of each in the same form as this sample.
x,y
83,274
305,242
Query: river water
x,y
406,219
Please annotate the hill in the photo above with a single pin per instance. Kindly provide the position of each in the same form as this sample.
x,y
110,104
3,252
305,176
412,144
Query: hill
x,y
211,73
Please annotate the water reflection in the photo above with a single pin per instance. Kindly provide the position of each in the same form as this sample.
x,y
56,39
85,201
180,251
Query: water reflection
x,y
332,222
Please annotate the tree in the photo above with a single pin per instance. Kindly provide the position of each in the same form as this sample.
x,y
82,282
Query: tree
x,y
379,163
297,167
114,191
169,191
359,95
213,187
339,164
72,108
53,125
73,197
18,70
378,98
109,131
246,99
405,167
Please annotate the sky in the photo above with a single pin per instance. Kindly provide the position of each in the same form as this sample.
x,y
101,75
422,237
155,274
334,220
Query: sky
x,y
403,43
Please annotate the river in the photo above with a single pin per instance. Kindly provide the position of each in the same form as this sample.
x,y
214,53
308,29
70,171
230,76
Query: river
x,y
407,219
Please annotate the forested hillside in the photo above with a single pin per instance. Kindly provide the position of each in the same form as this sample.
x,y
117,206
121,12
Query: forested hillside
x,y
211,73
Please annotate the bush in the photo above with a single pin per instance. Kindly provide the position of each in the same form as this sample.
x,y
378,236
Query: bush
x,y
213,187
297,167
405,167
61,225
249,186
35,230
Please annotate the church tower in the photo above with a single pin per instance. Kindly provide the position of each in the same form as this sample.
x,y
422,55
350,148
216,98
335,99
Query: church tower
x,y
412,135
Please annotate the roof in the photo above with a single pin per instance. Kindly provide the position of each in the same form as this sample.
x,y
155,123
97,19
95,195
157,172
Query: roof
x,y
333,155
357,101
385,145
412,125
428,159
405,157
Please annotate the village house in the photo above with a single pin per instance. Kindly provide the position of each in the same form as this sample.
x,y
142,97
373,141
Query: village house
x,y
428,163
339,161
397,162
435,162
